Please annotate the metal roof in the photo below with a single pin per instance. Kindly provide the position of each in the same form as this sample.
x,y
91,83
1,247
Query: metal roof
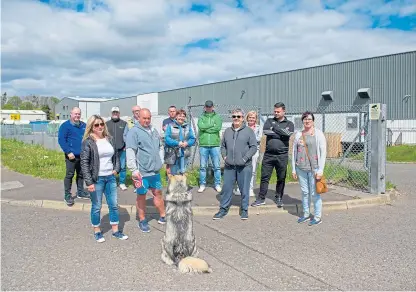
x,y
288,71
24,112
88,98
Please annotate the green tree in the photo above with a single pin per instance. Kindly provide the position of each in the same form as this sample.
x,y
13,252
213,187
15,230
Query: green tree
x,y
3,99
26,106
15,101
47,110
8,106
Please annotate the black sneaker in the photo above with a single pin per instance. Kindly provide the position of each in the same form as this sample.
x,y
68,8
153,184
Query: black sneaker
x,y
244,215
83,195
279,202
219,215
258,202
69,200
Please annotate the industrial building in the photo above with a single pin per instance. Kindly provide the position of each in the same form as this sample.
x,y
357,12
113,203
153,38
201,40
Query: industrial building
x,y
23,115
340,88
88,106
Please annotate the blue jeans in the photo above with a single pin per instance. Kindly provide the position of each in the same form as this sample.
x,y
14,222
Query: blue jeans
x,y
308,187
108,186
241,174
180,166
122,174
214,153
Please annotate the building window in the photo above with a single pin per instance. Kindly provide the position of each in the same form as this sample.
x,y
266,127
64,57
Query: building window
x,y
298,123
352,123
63,107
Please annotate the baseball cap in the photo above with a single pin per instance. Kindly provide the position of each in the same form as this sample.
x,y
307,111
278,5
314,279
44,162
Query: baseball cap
x,y
209,103
115,109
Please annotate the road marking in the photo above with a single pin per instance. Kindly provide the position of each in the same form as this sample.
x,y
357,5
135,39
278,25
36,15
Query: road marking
x,y
10,185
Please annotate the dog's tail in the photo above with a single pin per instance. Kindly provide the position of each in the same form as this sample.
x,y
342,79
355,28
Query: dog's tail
x,y
193,265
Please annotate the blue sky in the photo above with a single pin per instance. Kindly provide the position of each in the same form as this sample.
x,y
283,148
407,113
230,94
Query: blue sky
x,y
124,47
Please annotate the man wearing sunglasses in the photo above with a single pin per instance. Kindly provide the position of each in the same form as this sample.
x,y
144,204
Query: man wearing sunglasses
x,y
209,127
238,146
278,131
70,139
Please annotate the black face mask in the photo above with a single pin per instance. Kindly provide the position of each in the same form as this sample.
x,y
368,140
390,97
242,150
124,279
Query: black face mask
x,y
115,119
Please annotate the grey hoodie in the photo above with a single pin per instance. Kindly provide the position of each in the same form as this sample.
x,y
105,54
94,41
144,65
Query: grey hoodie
x,y
238,147
142,153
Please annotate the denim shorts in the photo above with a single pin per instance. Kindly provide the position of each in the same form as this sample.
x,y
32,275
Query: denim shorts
x,y
150,182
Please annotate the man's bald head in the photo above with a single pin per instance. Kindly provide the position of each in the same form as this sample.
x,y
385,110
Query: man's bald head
x,y
136,111
75,114
145,117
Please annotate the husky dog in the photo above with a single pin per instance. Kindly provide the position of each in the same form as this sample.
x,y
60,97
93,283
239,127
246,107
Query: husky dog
x,y
178,244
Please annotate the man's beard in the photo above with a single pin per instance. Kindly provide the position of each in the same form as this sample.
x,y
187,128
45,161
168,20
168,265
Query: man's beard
x,y
115,119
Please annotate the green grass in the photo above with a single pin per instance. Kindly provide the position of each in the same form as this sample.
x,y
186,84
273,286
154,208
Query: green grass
x,y
401,153
50,164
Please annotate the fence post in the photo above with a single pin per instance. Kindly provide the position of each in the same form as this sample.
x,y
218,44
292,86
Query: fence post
x,y
378,144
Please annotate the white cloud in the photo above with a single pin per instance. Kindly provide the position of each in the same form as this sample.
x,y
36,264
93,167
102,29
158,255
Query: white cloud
x,y
126,47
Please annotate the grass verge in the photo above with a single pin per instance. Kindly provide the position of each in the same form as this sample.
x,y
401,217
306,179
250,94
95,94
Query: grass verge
x,y
50,164
401,153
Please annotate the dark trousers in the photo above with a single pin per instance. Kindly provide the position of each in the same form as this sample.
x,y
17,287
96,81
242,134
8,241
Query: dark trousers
x,y
278,162
241,175
73,166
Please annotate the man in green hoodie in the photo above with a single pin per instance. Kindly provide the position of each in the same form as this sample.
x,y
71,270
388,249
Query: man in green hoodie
x,y
209,127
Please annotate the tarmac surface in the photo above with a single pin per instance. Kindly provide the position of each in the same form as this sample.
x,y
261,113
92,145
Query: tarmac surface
x,y
53,190
359,249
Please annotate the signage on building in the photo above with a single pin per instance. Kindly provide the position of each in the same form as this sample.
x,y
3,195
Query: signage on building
x,y
375,110
15,117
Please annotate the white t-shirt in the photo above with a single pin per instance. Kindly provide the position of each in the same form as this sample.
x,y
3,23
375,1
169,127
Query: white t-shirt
x,y
105,152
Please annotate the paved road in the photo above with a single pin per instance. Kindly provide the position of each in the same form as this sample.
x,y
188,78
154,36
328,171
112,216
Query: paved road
x,y
362,249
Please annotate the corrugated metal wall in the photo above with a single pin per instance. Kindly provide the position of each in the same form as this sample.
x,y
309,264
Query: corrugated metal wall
x,y
391,78
68,103
125,105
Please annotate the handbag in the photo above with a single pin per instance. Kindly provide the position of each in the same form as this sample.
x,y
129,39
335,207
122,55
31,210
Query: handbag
x,y
321,185
171,155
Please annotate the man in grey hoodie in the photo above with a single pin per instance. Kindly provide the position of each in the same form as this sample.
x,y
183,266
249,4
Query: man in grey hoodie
x,y
238,146
143,145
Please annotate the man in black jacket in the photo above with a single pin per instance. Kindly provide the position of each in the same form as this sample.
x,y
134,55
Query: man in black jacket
x,y
117,129
278,131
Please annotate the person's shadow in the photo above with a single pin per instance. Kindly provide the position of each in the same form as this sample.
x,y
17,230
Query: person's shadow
x,y
124,217
270,200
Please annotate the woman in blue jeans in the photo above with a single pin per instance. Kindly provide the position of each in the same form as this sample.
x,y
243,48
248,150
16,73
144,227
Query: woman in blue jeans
x,y
179,138
99,164
309,168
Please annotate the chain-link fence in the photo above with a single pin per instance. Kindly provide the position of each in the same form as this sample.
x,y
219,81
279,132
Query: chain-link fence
x,y
44,134
347,132
346,129
224,111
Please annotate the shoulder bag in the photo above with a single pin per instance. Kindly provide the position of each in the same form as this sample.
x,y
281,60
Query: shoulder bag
x,y
321,185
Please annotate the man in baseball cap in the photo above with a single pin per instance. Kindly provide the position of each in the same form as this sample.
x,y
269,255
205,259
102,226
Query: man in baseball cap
x,y
116,128
209,127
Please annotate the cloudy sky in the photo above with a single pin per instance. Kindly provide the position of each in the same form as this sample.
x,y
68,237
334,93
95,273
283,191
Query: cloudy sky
x,y
116,48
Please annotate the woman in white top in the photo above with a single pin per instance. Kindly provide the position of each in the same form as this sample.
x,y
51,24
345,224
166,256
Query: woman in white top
x,y
251,120
309,168
99,164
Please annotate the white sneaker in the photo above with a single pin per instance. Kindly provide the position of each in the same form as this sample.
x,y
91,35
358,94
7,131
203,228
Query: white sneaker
x,y
218,188
201,188
123,187
252,194
236,192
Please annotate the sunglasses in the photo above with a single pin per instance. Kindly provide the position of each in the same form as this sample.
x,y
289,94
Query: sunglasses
x,y
236,117
99,125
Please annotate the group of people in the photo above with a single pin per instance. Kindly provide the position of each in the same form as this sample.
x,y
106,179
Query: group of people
x,y
100,150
